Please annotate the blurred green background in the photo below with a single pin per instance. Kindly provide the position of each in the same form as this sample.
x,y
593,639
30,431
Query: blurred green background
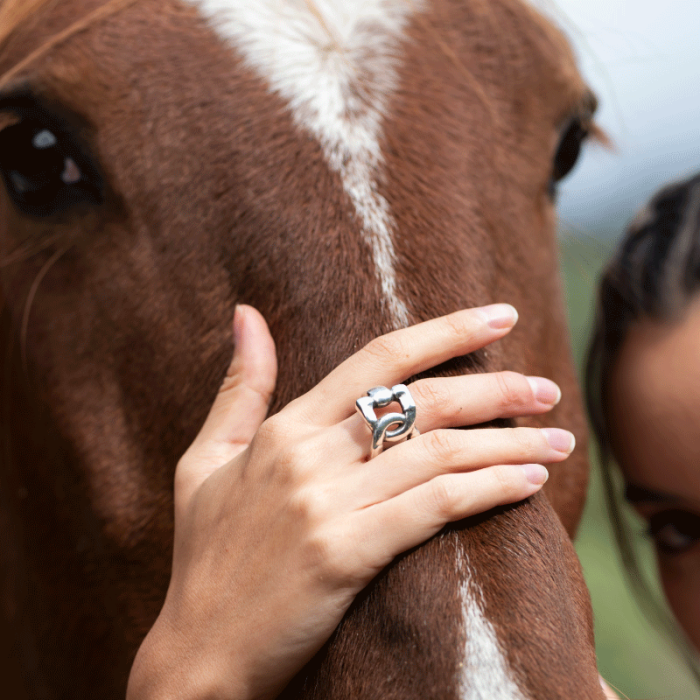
x,y
632,655
639,57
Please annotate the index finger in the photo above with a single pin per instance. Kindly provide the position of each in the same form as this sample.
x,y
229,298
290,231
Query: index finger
x,y
392,358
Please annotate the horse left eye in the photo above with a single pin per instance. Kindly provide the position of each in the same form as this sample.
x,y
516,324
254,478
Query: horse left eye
x,y
568,151
44,170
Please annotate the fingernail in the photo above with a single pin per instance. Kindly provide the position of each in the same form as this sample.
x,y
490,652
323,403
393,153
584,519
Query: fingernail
x,y
545,390
560,440
238,323
535,473
500,315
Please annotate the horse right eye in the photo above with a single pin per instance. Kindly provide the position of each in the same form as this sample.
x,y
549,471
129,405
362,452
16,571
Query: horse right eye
x,y
44,170
568,152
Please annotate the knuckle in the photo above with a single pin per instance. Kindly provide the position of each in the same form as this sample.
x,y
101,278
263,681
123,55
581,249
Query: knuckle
x,y
288,457
298,508
295,461
507,480
326,556
527,440
298,454
431,395
441,497
386,347
319,549
458,327
272,433
314,501
440,445
513,390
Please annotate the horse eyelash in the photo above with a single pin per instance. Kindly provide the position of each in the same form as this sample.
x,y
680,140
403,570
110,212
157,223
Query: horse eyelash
x,y
598,136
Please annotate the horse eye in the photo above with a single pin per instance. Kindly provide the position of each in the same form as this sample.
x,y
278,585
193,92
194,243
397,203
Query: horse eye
x,y
568,151
44,171
674,531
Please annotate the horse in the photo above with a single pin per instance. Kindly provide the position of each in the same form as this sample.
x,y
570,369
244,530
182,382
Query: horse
x,y
347,168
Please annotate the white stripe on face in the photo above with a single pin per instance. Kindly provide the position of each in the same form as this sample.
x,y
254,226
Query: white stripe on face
x,y
334,61
484,673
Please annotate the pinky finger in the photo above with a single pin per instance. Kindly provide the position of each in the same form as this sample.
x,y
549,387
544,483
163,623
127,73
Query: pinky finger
x,y
411,518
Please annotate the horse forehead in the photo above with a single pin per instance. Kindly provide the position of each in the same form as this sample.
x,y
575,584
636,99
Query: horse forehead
x,y
330,60
339,53
335,64
298,35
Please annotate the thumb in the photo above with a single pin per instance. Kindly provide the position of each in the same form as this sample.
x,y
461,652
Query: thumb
x,y
240,406
244,397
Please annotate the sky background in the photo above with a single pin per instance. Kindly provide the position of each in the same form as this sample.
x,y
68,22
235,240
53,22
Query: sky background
x,y
642,59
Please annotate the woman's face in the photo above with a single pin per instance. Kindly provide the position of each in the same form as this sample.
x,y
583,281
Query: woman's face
x,y
654,410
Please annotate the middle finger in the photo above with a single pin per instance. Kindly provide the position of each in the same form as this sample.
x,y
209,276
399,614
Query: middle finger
x,y
447,402
451,402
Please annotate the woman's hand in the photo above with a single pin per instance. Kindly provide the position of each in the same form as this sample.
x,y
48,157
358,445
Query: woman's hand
x,y
279,524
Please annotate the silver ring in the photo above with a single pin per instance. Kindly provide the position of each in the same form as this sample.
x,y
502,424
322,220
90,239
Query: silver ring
x,y
380,397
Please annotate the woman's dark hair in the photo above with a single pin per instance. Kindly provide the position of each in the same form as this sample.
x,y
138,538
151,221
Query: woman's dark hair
x,y
654,275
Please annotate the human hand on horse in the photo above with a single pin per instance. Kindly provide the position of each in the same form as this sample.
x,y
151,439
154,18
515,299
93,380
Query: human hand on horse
x,y
280,523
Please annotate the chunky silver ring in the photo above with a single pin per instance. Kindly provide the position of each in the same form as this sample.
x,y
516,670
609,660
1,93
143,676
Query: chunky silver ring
x,y
380,397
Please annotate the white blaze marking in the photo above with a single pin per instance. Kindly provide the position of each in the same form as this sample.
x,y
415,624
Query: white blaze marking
x,y
334,61
484,674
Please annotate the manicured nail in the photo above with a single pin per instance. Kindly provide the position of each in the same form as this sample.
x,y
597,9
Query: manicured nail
x,y
500,315
560,440
535,473
545,390
238,322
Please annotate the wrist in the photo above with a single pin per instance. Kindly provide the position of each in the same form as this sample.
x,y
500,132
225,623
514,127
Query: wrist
x,y
168,667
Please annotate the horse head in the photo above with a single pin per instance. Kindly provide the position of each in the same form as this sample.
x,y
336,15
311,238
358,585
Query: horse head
x,y
346,168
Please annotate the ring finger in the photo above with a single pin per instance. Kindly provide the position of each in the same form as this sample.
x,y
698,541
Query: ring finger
x,y
441,452
448,402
